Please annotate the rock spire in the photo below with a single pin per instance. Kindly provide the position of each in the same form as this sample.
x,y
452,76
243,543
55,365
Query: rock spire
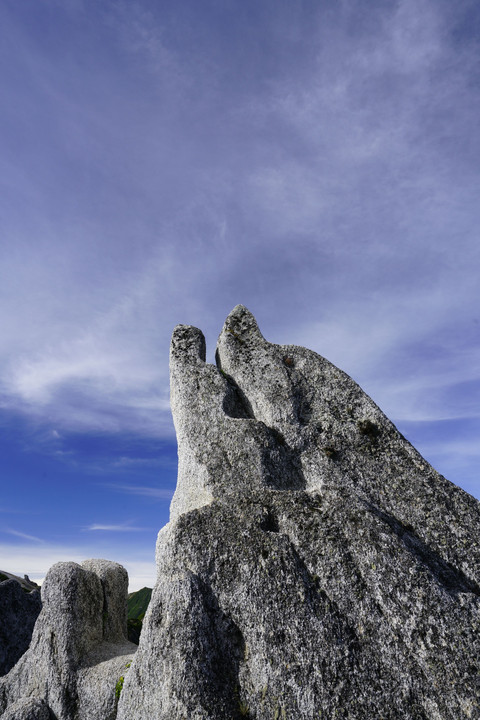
x,y
315,565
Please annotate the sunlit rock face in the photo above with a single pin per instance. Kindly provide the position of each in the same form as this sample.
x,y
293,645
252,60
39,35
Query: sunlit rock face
x,y
315,565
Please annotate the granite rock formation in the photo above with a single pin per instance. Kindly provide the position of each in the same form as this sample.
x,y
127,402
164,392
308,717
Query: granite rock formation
x,y
19,610
315,565
79,649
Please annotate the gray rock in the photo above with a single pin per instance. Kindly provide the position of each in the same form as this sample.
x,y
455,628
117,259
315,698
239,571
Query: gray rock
x,y
18,612
315,565
28,709
79,648
222,448
114,581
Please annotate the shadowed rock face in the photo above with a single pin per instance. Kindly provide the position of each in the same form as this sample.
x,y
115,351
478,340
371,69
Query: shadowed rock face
x,y
18,613
315,565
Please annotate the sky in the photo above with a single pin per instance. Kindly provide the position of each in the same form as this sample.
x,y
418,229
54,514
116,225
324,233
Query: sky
x,y
160,162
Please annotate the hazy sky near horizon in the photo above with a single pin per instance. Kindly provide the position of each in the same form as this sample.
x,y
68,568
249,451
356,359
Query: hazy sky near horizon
x,y
160,162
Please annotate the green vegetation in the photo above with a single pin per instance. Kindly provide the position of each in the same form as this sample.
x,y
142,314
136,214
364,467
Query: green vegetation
x,y
119,688
119,685
137,603
134,628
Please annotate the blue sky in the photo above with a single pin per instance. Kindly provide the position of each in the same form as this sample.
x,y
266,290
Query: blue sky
x,y
160,162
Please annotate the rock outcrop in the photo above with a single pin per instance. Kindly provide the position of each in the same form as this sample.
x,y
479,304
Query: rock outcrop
x,y
19,609
79,649
315,565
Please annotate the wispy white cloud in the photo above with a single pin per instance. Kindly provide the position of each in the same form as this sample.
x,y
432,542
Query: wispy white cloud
x,y
121,527
334,190
22,535
144,491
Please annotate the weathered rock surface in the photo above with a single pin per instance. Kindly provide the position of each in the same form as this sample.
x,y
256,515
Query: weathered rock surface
x,y
29,709
315,565
78,650
18,612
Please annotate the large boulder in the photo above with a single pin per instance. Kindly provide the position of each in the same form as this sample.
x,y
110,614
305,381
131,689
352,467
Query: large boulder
x,y
19,610
79,648
315,565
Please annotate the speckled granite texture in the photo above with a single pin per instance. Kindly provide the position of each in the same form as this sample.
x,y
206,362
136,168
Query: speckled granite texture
x,y
315,565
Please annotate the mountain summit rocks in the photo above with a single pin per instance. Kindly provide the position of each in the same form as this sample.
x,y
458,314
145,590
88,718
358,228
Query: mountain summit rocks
x,y
78,650
314,566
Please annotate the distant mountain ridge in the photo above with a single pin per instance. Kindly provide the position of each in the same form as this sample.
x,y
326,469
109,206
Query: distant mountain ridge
x,y
24,582
137,603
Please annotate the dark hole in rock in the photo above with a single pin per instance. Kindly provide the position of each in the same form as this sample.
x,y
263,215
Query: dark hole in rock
x,y
269,522
278,436
368,428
